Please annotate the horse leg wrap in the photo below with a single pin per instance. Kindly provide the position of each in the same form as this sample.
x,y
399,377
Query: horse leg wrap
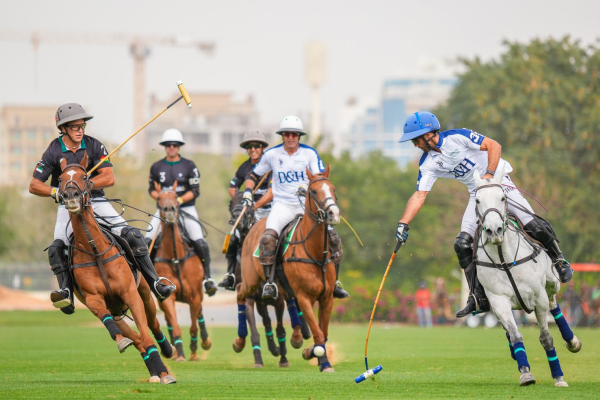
x,y
306,334
109,323
563,325
194,344
293,311
149,364
521,355
257,355
157,363
282,346
242,322
178,343
554,363
165,346
203,331
323,361
510,346
170,329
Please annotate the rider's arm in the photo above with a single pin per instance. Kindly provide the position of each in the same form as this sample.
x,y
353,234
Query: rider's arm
x,y
39,188
251,181
265,199
494,150
104,179
413,206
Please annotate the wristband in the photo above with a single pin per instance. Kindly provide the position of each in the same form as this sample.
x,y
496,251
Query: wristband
x,y
489,171
180,200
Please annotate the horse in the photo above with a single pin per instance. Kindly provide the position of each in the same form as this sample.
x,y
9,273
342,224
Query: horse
x,y
178,263
104,281
307,283
255,299
525,280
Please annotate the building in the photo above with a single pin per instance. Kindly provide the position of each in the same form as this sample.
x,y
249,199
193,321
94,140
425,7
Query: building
x,y
215,124
25,132
380,126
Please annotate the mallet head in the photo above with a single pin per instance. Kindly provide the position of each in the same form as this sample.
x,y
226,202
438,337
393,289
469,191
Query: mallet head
x,y
184,93
368,374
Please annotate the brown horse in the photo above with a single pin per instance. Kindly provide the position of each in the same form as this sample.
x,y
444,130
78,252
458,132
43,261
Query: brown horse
x,y
306,264
103,278
181,265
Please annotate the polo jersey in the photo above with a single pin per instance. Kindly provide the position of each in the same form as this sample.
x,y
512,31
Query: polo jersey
x,y
183,171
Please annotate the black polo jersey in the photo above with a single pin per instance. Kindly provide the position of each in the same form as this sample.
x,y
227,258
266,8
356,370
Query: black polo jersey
x,y
240,177
183,171
49,165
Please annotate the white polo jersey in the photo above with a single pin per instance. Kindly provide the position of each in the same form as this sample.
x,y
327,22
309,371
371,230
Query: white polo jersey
x,y
289,171
460,155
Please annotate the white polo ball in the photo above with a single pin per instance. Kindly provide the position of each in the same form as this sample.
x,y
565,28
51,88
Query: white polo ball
x,y
319,351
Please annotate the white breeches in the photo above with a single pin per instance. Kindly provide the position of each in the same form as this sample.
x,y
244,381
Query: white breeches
x,y
63,228
469,221
282,214
192,227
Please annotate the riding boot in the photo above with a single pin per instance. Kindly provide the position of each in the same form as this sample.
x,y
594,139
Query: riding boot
x,y
203,253
140,252
338,291
63,297
228,281
543,232
153,251
268,248
477,302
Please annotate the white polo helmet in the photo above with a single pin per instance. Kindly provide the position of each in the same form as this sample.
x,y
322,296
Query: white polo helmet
x,y
172,136
291,123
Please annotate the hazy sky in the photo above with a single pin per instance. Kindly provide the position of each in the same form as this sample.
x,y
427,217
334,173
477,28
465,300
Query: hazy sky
x,y
260,48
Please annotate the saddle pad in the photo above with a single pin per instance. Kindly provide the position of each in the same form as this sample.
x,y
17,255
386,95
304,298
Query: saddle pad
x,y
288,238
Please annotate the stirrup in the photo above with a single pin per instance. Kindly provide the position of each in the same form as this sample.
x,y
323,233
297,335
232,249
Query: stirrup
x,y
157,282
226,277
59,301
268,284
213,290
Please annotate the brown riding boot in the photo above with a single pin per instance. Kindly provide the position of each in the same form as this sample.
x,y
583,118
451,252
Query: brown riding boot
x,y
267,248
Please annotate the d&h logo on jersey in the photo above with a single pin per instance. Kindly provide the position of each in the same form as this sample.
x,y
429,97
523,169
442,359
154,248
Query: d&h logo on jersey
x,y
461,169
291,176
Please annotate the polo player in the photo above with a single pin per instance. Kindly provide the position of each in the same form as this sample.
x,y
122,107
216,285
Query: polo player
x,y
456,154
72,144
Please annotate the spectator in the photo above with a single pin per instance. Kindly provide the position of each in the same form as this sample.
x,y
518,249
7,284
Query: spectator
x,y
442,303
423,299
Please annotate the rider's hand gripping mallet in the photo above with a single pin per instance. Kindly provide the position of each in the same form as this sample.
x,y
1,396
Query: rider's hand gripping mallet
x,y
377,369
184,95
228,236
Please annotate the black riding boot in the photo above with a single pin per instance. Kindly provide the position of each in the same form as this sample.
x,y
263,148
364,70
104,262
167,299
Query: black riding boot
x,y
140,252
201,249
543,232
338,291
478,302
268,247
63,297
153,251
228,281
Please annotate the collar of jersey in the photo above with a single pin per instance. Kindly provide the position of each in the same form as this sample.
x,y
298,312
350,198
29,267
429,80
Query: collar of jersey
x,y
172,162
64,148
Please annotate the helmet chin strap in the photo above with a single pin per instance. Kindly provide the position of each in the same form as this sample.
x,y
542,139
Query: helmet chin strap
x,y
427,141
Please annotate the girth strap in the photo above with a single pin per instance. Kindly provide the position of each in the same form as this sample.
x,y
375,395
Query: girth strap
x,y
95,263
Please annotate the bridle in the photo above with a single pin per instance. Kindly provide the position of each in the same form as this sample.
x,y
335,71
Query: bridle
x,y
168,205
481,217
321,215
84,193
247,221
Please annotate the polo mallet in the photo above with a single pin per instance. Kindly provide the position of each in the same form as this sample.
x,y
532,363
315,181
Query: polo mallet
x,y
228,236
377,369
184,95
154,239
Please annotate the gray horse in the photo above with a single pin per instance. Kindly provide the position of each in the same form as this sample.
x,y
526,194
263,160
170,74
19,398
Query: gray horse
x,y
517,274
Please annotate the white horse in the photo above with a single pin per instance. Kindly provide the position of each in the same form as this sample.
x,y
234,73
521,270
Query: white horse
x,y
517,274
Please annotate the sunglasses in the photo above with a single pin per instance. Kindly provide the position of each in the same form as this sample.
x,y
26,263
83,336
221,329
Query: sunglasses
x,y
172,145
415,141
253,146
287,134
76,128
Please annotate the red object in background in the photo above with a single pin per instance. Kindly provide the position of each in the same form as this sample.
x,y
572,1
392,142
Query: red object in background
x,y
586,267
422,297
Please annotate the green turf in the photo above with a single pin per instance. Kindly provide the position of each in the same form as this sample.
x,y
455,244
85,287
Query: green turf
x,y
47,354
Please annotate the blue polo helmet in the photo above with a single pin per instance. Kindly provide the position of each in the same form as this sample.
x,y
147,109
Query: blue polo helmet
x,y
418,124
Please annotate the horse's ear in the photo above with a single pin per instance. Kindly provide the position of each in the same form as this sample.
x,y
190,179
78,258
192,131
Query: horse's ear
x,y
63,163
499,175
174,186
310,176
84,160
157,186
327,171
477,177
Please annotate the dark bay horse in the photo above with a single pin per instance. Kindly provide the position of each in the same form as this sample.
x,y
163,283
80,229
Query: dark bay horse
x,y
306,264
178,263
255,299
103,278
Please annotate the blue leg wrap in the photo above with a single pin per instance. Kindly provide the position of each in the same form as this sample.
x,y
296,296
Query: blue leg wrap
x,y
293,311
242,324
521,355
563,325
510,346
554,363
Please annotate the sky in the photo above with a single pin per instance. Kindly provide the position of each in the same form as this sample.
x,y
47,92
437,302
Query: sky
x,y
260,48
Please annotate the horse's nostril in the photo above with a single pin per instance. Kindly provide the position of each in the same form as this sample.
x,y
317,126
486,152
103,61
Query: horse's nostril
x,y
488,231
499,230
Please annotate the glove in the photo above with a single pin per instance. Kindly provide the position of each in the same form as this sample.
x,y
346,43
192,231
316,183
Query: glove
x,y
402,232
301,191
55,194
247,200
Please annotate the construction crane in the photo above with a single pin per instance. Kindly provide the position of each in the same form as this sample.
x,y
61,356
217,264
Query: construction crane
x,y
139,46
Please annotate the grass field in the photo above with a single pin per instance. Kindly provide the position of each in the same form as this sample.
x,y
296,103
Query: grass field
x,y
49,355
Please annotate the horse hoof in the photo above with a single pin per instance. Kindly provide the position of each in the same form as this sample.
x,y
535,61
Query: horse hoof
x,y
559,382
180,359
154,379
306,354
526,379
295,344
206,345
236,348
167,379
574,345
328,369
194,357
124,344
285,364
258,365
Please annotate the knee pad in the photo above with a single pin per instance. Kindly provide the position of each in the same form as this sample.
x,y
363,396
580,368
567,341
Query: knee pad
x,y
56,257
335,243
268,246
136,241
463,246
540,230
